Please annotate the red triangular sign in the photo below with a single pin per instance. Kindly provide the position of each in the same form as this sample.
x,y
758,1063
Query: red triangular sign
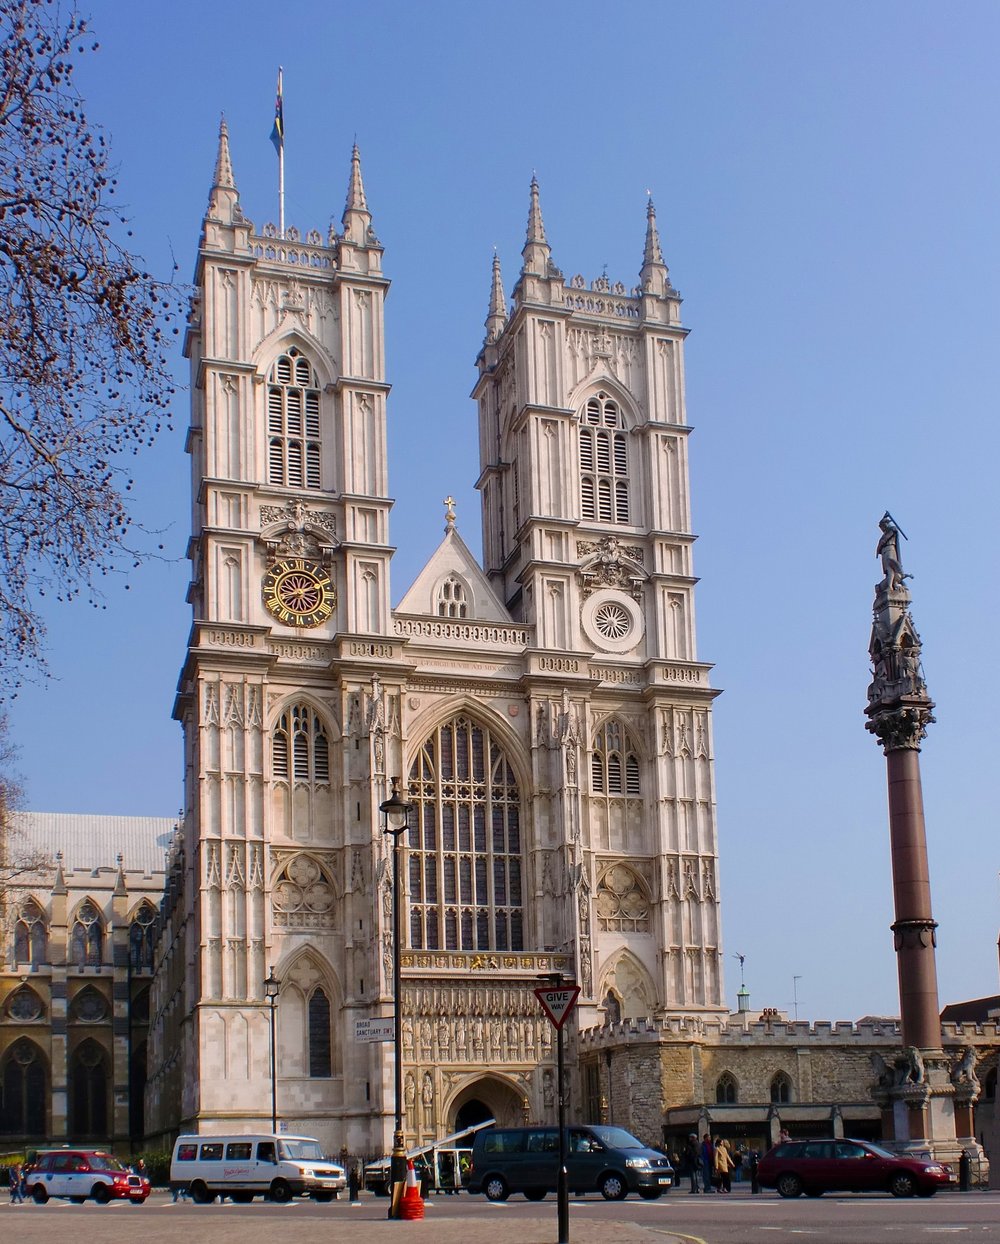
x,y
557,1003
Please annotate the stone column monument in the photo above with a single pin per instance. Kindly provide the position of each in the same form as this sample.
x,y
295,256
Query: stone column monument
x,y
917,1092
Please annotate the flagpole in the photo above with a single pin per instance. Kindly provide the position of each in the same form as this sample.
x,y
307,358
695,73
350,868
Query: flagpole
x,y
281,168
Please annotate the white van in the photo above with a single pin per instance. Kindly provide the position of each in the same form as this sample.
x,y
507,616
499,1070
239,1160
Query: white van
x,y
248,1165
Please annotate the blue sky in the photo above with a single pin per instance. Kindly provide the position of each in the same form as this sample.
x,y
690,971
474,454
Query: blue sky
x,y
827,189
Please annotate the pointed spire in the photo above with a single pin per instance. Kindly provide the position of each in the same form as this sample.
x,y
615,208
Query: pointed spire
x,y
653,275
223,162
652,253
497,316
357,220
536,251
224,198
536,226
120,889
356,200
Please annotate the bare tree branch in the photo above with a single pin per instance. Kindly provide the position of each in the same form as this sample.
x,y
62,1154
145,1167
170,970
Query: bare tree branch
x,y
85,338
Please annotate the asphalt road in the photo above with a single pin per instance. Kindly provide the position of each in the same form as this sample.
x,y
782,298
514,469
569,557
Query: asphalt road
x,y
675,1219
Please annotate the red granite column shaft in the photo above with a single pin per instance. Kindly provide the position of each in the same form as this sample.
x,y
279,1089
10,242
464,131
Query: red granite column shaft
x,y
914,925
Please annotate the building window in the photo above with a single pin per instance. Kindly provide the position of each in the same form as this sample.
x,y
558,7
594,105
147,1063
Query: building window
x,y
614,765
24,1006
320,1050
89,1091
24,1084
622,905
299,747
464,843
142,937
452,599
31,937
87,937
293,423
725,1089
604,475
781,1089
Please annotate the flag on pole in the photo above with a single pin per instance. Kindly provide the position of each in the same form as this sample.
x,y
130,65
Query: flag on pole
x,y
278,129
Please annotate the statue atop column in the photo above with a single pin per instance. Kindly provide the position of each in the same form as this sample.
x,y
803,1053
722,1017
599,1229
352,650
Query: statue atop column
x,y
899,707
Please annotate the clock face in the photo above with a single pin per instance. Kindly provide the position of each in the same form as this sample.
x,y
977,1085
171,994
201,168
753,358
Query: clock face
x,y
299,592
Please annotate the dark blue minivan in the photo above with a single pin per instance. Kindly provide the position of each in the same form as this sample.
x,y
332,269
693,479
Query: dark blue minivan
x,y
601,1159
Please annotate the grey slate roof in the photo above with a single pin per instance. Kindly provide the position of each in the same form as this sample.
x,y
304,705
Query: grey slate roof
x,y
89,842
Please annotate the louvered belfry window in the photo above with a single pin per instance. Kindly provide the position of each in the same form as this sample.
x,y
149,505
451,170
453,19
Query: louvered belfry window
x,y
293,423
604,482
463,845
299,746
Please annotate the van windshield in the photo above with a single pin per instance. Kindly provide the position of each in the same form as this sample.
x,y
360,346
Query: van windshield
x,y
301,1150
616,1138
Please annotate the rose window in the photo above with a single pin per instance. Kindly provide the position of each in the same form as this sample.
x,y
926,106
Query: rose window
x,y
613,620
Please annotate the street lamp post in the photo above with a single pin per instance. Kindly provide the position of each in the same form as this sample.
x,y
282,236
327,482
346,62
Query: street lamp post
x,y
272,987
395,812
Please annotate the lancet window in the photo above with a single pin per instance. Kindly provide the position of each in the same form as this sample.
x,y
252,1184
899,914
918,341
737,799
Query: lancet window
x,y
293,423
31,936
614,764
299,746
604,465
452,598
464,850
87,937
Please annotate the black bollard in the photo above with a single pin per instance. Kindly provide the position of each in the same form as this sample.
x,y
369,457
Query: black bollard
x,y
964,1172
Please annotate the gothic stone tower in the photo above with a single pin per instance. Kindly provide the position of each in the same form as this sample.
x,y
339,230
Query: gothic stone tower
x,y
587,540
546,713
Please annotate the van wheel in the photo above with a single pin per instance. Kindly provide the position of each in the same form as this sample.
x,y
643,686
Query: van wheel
x,y
101,1193
496,1188
534,1194
614,1188
39,1195
281,1192
200,1193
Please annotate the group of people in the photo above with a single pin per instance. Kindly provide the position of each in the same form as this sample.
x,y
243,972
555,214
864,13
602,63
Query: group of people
x,y
711,1165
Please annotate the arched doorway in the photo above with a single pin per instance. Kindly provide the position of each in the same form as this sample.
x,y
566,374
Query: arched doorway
x,y
487,1097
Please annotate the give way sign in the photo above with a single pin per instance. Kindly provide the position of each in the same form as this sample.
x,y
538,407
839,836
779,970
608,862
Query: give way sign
x,y
557,1003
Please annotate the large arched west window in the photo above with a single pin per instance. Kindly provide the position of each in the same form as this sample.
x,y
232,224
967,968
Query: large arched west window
x,y
88,1077
87,936
293,423
464,847
23,1091
604,465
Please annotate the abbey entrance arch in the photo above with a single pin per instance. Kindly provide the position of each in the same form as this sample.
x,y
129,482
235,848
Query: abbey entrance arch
x,y
486,1097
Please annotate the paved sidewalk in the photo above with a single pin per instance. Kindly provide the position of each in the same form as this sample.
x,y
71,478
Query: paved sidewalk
x,y
363,1224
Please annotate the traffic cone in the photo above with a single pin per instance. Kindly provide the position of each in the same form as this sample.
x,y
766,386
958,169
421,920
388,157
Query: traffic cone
x,y
412,1206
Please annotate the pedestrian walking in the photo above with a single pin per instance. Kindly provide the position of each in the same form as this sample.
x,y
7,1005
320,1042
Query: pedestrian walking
x,y
707,1162
723,1165
691,1159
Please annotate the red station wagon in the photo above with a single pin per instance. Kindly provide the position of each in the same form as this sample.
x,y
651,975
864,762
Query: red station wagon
x,y
818,1166
79,1174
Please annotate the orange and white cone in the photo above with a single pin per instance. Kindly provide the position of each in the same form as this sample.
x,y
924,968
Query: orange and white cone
x,y
412,1205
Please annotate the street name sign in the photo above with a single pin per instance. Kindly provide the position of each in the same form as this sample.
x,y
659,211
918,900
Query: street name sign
x,y
374,1029
557,1003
